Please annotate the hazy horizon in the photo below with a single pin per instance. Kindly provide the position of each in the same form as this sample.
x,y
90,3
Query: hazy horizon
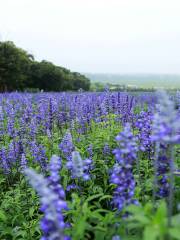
x,y
167,81
97,36
132,74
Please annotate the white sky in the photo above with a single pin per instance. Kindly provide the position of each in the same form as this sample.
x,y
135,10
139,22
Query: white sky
x,y
112,36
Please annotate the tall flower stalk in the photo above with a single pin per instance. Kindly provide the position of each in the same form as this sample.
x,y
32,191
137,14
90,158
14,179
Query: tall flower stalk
x,y
122,175
165,134
52,201
80,167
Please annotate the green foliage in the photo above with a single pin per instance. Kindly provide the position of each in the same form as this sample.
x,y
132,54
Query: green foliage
x,y
19,71
153,222
14,66
19,214
90,212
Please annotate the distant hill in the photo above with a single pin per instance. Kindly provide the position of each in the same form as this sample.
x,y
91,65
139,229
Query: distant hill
x,y
138,80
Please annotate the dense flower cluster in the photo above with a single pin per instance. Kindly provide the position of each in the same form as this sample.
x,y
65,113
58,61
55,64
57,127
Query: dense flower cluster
x,y
165,133
166,128
121,174
54,178
66,146
166,124
31,127
106,149
4,161
52,201
162,170
1,122
144,126
81,168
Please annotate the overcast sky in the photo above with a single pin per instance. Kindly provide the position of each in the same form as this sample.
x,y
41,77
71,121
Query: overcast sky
x,y
112,36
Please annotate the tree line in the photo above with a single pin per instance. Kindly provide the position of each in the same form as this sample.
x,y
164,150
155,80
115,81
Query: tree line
x,y
20,71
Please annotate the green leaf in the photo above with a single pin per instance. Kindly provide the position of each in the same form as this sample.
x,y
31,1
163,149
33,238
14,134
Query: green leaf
x,y
3,216
105,197
100,235
150,233
176,220
94,197
142,219
79,229
31,211
134,209
161,213
96,215
175,233
148,208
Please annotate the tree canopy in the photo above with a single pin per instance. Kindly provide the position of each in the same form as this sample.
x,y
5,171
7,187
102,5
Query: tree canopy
x,y
19,71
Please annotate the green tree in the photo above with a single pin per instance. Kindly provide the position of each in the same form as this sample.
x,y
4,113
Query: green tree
x,y
14,65
19,70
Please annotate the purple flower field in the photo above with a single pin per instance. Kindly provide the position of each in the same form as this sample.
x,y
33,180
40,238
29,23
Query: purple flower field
x,y
90,166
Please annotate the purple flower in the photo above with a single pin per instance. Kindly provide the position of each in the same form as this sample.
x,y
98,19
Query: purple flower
x,y
23,161
166,124
144,126
90,151
121,174
4,160
106,149
52,223
54,178
77,164
116,237
66,146
166,129
39,154
1,122
80,168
